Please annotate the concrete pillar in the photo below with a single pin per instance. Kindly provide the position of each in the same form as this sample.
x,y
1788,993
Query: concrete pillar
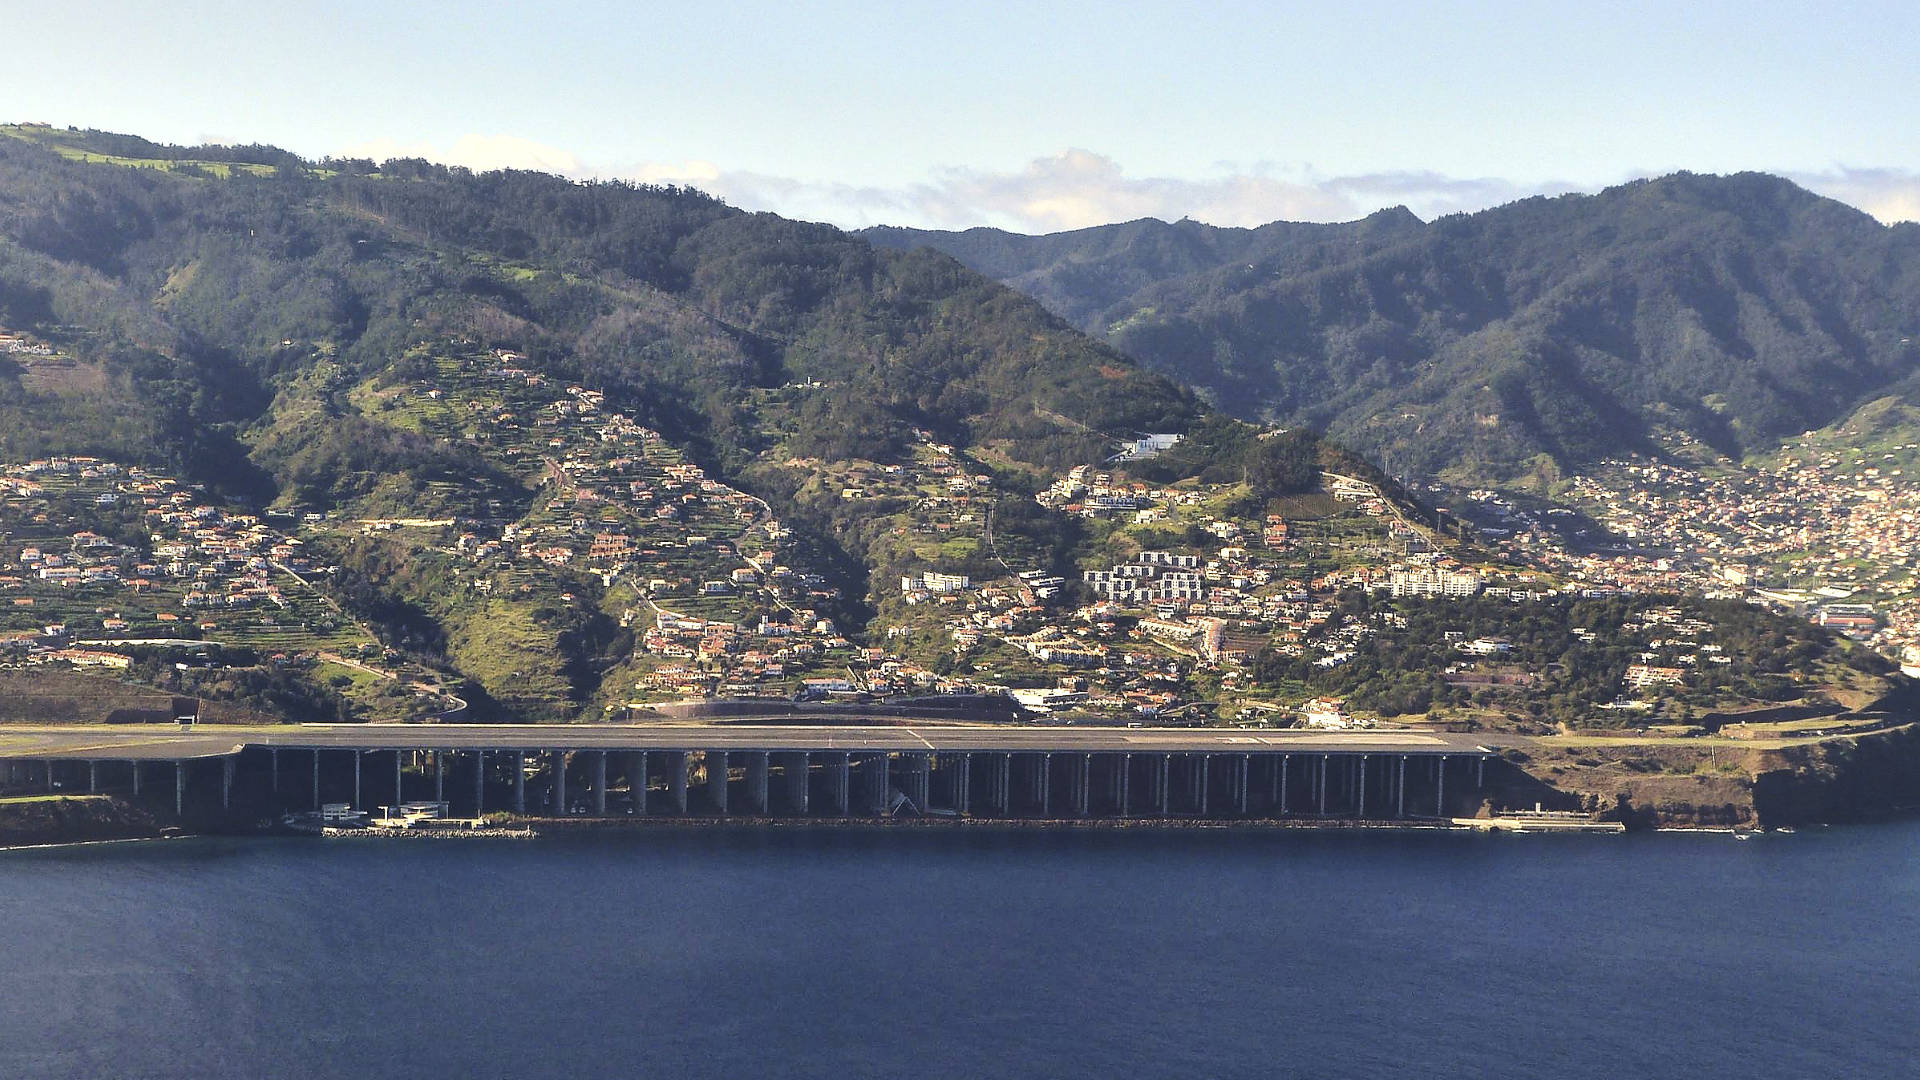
x,y
1400,787
1046,785
843,784
1085,794
637,781
519,782
226,782
798,767
1163,784
717,776
1003,786
1480,771
93,778
136,778
559,783
356,779
273,768
922,781
479,783
49,775
878,783
316,778
1440,787
179,785
1323,786
1281,799
1206,767
757,770
1126,778
440,775
600,784
964,802
682,763
1361,810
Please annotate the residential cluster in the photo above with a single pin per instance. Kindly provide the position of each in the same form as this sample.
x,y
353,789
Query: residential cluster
x,y
1829,535
1091,493
1166,628
177,567
719,609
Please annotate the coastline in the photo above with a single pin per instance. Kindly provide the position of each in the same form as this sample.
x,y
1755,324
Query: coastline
x,y
544,828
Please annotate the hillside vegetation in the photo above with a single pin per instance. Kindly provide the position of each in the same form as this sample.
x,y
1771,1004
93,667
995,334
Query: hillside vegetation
x,y
271,328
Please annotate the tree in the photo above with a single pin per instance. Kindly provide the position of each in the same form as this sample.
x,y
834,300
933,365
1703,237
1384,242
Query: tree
x,y
1284,464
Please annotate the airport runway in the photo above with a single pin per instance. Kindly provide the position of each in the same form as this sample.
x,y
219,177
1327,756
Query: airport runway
x,y
166,742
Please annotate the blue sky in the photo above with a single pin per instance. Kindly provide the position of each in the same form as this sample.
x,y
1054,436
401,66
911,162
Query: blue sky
x,y
1032,116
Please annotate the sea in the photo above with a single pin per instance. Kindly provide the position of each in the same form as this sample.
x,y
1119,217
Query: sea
x,y
961,952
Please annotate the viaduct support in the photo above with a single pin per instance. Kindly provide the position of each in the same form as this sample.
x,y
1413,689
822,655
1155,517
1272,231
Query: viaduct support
x,y
717,777
878,784
757,770
682,766
797,767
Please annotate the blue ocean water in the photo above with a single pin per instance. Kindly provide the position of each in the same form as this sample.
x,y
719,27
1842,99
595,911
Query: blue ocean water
x,y
963,953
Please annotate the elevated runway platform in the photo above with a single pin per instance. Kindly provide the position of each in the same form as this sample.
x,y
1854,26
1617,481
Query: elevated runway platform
x,y
167,742
788,769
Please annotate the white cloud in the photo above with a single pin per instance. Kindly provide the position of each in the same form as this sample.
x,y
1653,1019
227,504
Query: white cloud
x,y
1888,194
1077,188
480,153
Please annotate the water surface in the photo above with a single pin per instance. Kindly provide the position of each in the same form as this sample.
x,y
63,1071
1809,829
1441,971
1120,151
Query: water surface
x,y
936,953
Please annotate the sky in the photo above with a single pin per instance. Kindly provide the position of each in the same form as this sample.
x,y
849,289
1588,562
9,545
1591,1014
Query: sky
x,y
1033,116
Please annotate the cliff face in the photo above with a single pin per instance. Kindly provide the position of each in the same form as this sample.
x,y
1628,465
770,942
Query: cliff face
x,y
1864,779
1644,787
68,819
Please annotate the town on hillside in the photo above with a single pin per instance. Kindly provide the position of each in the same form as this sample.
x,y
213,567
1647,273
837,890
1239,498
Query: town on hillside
x,y
1187,602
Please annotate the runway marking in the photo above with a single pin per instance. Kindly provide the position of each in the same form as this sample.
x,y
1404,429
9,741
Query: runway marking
x,y
922,738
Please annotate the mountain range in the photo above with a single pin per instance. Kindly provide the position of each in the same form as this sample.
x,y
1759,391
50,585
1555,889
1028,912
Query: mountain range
x,y
1511,344
403,439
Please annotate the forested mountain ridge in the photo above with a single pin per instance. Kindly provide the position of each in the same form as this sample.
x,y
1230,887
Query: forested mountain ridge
x,y
207,295
1083,274
1540,335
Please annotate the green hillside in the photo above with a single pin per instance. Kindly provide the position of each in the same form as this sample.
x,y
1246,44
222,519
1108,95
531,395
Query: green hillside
x,y
325,340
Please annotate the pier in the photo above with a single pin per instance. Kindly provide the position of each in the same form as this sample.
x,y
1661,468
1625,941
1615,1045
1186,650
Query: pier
x,y
767,771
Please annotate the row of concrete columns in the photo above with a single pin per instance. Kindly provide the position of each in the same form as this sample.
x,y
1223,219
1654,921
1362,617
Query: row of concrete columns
x,y
872,783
